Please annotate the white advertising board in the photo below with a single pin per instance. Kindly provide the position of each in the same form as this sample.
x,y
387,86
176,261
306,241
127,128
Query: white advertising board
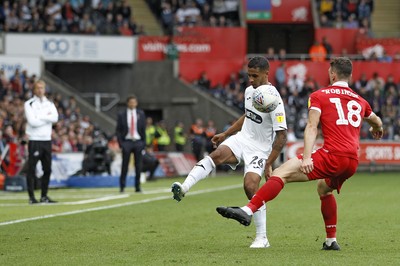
x,y
72,48
32,64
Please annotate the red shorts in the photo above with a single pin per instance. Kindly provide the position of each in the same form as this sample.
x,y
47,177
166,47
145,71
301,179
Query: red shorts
x,y
334,169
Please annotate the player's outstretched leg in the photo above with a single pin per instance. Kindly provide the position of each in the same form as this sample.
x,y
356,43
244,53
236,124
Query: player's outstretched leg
x,y
235,213
177,191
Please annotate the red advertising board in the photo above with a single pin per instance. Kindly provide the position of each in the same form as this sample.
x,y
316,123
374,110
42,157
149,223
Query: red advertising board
x,y
339,39
319,70
380,153
197,43
390,45
272,11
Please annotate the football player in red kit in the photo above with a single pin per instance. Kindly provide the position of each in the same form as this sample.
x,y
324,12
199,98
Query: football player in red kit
x,y
340,111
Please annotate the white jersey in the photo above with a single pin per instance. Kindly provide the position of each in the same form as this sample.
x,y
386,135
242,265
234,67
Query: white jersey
x,y
40,115
259,128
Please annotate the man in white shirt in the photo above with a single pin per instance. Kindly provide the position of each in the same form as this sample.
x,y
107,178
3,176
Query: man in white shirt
x,y
40,114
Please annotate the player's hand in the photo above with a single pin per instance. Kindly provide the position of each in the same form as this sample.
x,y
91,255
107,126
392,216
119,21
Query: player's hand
x,y
376,133
268,171
218,138
307,165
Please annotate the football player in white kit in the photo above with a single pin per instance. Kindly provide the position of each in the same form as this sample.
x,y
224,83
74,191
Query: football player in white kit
x,y
256,138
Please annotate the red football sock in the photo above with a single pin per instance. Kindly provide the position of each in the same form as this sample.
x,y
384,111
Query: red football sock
x,y
267,192
329,213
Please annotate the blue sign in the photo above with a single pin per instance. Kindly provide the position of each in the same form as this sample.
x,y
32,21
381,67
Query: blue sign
x,y
258,5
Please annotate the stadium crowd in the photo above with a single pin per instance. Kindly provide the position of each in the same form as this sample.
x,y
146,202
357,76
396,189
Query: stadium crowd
x,y
206,13
346,14
105,17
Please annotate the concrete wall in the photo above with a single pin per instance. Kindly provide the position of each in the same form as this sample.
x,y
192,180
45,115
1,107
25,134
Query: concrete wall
x,y
154,84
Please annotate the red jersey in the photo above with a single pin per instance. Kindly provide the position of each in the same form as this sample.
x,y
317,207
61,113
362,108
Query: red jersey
x,y
342,112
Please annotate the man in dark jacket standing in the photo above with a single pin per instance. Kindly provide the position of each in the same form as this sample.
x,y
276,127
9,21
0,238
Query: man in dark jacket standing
x,y
131,127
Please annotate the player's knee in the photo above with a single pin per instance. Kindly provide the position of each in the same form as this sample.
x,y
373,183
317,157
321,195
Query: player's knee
x,y
323,189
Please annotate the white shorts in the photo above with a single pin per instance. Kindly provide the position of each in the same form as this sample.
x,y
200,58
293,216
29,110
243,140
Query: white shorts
x,y
254,159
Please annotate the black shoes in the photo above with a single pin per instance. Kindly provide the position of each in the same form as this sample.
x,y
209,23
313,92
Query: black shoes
x,y
47,200
235,213
333,246
33,201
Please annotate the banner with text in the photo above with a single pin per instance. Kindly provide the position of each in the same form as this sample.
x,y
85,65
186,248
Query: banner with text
x,y
380,153
196,44
272,11
72,48
32,64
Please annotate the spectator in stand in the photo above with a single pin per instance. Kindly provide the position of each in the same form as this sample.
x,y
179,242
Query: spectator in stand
x,y
125,29
364,11
162,136
340,9
352,7
351,22
204,83
361,85
390,83
375,81
150,132
385,58
271,56
317,52
206,14
295,84
326,8
282,54
197,137
179,136
364,28
210,132
327,46
167,18
125,10
325,22
280,76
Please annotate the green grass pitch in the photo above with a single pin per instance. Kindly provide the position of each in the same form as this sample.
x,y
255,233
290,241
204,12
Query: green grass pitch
x,y
104,227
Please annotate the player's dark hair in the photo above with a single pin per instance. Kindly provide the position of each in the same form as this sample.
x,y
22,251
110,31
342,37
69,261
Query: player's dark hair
x,y
342,66
130,97
258,62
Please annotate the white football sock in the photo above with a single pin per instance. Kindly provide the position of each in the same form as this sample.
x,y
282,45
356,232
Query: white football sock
x,y
329,241
202,169
260,221
247,210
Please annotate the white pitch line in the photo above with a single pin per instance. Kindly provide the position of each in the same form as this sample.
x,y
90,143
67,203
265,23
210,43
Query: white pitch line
x,y
113,206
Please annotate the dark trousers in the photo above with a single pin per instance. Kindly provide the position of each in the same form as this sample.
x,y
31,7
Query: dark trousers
x,y
128,147
38,150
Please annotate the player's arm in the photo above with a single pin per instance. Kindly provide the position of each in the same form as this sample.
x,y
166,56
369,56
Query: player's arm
x,y
277,146
310,135
376,126
237,126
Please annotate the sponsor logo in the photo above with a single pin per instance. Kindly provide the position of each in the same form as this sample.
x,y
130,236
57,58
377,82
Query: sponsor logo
x,y
55,46
280,119
253,116
154,47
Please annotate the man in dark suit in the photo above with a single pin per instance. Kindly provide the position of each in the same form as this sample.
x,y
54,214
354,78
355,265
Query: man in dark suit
x,y
131,127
